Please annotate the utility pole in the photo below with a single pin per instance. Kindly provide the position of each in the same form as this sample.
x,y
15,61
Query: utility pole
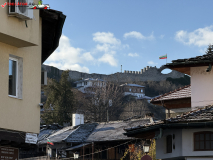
x,y
107,114
83,152
92,150
121,68
110,104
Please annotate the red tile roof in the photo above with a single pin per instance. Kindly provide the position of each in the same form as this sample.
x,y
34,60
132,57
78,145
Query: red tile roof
x,y
183,92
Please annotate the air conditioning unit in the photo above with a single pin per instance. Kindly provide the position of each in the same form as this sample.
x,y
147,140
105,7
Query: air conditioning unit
x,y
19,10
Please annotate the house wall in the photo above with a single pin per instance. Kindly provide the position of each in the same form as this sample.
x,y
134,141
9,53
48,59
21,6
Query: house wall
x,y
135,91
184,145
134,94
161,145
21,114
90,83
13,30
199,158
201,87
188,143
176,111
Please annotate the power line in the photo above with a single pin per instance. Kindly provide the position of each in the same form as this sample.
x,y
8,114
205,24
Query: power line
x,y
106,149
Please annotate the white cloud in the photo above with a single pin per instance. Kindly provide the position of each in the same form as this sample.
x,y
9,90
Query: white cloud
x,y
138,35
105,38
162,36
108,58
202,51
199,37
68,57
133,55
87,56
107,47
152,63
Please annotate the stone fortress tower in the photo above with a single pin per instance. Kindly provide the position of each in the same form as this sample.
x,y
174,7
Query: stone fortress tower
x,y
146,74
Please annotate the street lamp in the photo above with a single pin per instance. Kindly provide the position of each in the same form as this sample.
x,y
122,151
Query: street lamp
x,y
146,146
76,155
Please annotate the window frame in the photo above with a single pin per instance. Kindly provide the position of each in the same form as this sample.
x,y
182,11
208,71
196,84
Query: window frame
x,y
14,59
203,132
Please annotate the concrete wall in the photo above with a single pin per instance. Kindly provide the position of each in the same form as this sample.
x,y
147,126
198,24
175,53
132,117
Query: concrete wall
x,y
184,145
161,145
199,158
188,143
21,114
13,30
201,86
150,74
176,111
134,94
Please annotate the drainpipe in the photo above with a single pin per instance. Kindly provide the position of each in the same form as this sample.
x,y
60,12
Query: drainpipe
x,y
169,116
92,150
83,152
159,135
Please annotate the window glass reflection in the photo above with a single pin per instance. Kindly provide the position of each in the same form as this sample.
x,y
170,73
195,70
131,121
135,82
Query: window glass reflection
x,y
12,77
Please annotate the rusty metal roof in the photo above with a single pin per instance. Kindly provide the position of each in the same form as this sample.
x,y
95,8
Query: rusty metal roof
x,y
183,92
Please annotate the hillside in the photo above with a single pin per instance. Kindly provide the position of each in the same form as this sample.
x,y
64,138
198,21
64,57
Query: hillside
x,y
132,107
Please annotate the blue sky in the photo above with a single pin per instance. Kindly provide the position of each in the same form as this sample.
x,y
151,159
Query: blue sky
x,y
101,35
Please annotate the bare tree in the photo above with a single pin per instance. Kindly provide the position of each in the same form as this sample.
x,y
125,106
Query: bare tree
x,y
100,100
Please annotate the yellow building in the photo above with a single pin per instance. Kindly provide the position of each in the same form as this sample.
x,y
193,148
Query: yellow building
x,y
26,41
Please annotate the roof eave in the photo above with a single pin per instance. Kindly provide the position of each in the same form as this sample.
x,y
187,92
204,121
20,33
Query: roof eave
x,y
52,25
184,67
133,132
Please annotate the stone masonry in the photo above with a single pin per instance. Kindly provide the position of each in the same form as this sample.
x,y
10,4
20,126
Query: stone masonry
x,y
146,74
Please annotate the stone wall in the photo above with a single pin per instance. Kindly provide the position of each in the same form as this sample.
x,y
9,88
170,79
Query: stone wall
x,y
146,74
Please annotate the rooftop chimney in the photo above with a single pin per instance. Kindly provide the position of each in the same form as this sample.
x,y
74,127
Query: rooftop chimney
x,y
150,116
77,119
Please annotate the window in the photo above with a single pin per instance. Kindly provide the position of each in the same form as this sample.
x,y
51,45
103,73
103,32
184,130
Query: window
x,y
13,71
141,91
130,89
203,141
15,76
85,83
169,144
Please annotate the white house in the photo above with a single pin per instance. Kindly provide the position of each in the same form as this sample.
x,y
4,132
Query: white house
x,y
85,84
188,136
135,90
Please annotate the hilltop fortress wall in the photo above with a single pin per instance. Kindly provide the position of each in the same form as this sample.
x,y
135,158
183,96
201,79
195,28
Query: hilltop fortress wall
x,y
146,74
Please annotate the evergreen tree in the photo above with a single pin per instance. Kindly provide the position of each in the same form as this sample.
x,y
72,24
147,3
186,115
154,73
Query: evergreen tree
x,y
60,101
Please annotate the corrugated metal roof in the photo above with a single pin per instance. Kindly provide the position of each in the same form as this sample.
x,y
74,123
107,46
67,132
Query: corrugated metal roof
x,y
184,92
69,134
78,146
113,131
81,133
59,135
46,132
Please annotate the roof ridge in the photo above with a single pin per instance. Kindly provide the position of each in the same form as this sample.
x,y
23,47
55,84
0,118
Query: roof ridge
x,y
71,133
